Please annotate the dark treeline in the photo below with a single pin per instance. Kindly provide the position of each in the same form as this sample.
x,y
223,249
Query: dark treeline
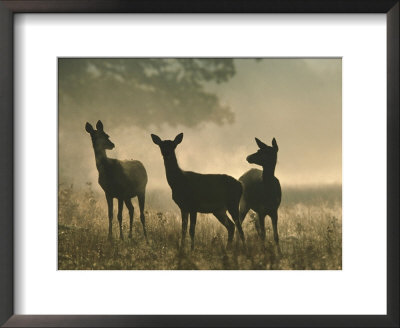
x,y
329,194
160,199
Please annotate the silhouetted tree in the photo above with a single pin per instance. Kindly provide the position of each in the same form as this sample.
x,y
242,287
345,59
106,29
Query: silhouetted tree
x,y
144,91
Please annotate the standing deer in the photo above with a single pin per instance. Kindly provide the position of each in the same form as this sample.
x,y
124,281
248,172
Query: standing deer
x,y
204,193
261,189
119,179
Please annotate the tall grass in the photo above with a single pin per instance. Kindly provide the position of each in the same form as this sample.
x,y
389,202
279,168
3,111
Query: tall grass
x,y
310,229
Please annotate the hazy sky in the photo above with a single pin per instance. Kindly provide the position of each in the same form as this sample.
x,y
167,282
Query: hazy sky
x,y
297,101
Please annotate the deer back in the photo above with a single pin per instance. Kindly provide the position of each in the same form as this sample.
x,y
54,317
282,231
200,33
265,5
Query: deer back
x,y
260,194
124,179
206,192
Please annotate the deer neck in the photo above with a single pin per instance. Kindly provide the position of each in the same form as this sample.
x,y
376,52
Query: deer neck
x,y
173,172
268,174
101,159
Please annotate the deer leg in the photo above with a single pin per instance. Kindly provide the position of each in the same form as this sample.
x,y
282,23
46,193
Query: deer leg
x,y
243,209
184,226
261,225
131,210
274,219
141,199
228,224
110,215
193,217
257,223
234,211
120,207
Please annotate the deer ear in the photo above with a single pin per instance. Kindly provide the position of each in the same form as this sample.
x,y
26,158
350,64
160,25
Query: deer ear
x,y
274,144
260,144
178,139
99,126
156,139
88,127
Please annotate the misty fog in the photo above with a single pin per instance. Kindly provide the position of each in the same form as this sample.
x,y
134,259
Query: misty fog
x,y
219,105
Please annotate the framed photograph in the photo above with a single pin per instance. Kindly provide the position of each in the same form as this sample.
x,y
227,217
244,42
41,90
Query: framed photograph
x,y
206,164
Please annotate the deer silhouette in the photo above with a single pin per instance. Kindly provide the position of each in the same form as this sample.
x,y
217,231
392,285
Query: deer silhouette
x,y
203,193
119,179
261,189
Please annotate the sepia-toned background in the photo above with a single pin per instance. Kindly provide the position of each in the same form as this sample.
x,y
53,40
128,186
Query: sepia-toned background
x,y
220,105
297,101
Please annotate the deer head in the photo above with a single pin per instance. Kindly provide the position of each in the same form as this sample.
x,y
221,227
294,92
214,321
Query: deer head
x,y
167,147
266,156
100,139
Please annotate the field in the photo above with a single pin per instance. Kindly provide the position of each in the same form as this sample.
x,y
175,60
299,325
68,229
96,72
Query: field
x,y
310,230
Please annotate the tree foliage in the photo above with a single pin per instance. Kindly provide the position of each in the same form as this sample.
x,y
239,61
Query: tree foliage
x,y
144,91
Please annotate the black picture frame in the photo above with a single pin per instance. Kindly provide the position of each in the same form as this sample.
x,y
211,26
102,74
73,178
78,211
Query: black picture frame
x,y
7,10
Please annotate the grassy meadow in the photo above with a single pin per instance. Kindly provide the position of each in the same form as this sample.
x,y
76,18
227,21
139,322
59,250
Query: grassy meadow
x,y
310,230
